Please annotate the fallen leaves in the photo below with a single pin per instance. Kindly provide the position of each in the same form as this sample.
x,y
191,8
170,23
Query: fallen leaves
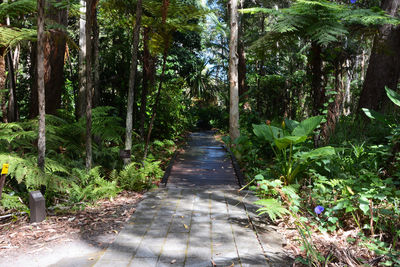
x,y
106,216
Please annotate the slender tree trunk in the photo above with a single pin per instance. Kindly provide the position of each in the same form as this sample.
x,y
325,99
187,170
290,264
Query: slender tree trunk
x,y
80,105
3,83
12,110
96,63
41,85
384,63
164,19
148,78
233,72
132,76
242,57
90,10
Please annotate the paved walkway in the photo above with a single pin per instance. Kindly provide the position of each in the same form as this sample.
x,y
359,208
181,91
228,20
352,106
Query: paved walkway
x,y
200,219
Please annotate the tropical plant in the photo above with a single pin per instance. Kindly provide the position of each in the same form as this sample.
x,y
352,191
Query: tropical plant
x,y
291,158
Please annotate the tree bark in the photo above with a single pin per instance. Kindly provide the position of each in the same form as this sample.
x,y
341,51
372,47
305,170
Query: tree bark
x,y
132,76
96,63
80,105
90,9
3,83
384,63
12,108
54,55
233,72
318,91
148,78
41,85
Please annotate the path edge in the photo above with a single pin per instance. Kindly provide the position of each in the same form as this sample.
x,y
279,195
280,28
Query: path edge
x,y
167,172
236,167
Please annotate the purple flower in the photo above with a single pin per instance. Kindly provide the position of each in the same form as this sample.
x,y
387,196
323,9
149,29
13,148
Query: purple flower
x,y
319,209
353,1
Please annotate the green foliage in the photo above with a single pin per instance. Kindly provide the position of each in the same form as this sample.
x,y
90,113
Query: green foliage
x,y
138,177
91,186
12,202
291,159
322,21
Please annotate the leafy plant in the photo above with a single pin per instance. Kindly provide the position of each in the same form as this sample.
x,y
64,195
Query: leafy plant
x,y
290,157
12,202
91,186
138,177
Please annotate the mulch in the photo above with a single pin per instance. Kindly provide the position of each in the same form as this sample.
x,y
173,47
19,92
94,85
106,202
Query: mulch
x,y
97,224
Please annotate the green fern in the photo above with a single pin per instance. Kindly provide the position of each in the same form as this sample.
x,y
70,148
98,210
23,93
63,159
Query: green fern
x,y
318,20
139,177
12,202
272,207
91,186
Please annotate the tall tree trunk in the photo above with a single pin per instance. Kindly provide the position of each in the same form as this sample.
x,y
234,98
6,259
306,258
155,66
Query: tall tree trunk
x,y
233,72
12,108
80,105
242,57
384,63
164,12
41,85
148,78
318,91
3,83
96,63
90,10
132,76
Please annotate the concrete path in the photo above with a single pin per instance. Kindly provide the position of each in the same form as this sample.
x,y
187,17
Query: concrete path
x,y
200,219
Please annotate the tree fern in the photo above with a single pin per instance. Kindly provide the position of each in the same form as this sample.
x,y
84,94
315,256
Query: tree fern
x,y
319,20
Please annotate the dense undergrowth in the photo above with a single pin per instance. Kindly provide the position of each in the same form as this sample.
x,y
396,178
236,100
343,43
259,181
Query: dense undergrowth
x,y
352,183
65,179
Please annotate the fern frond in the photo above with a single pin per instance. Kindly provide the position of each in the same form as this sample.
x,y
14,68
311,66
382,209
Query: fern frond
x,y
272,207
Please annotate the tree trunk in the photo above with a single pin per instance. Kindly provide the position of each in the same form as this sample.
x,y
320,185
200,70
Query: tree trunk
x,y
148,78
41,85
164,12
80,105
318,91
242,58
3,84
233,72
132,76
12,108
384,63
334,108
54,55
90,10
96,63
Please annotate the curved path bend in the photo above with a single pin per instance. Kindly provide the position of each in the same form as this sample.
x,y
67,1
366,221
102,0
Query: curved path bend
x,y
200,219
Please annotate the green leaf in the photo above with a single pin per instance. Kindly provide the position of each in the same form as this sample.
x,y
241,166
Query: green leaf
x,y
307,126
395,97
372,114
318,153
284,142
364,204
291,124
267,132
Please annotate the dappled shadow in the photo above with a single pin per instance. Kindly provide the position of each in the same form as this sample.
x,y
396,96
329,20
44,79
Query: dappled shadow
x,y
200,219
